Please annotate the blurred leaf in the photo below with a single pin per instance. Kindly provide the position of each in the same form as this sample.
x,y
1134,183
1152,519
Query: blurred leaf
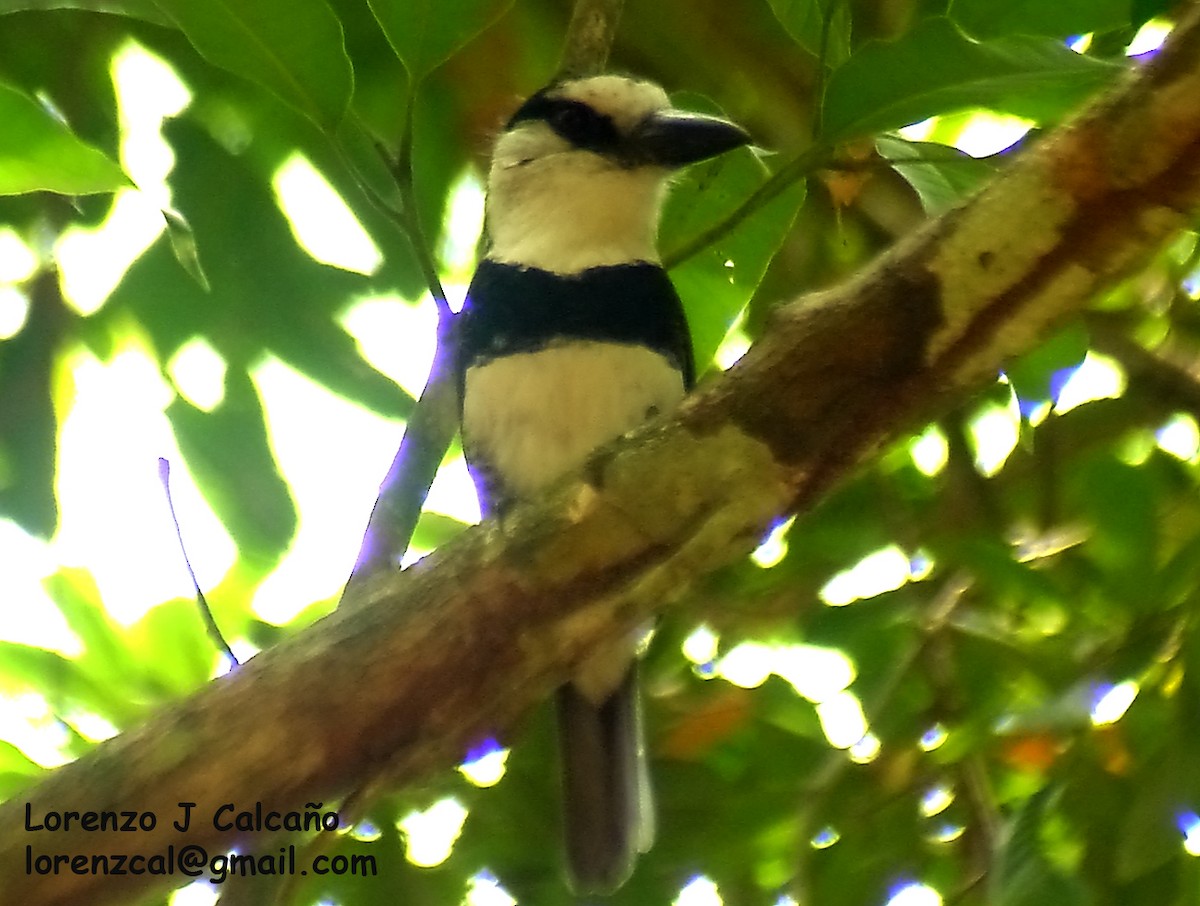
x,y
1145,10
183,244
434,530
174,626
942,176
426,33
935,69
67,684
1023,876
14,760
1060,19
75,593
805,22
39,153
291,47
1038,375
228,451
1148,836
1120,502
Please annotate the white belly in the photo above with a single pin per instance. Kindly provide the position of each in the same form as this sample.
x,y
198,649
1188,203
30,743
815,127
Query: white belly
x,y
533,417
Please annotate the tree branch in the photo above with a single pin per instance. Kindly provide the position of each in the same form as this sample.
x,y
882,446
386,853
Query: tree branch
x,y
461,644
589,37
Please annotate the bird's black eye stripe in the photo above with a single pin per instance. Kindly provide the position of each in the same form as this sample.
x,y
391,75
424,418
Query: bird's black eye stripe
x,y
575,121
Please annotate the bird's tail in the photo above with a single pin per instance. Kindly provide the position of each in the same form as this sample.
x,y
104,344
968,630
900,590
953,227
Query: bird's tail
x,y
608,812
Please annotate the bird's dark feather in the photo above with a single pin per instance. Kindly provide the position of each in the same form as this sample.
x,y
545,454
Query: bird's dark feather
x,y
510,309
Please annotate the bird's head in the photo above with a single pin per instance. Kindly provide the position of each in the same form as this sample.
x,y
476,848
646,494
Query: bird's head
x,y
579,173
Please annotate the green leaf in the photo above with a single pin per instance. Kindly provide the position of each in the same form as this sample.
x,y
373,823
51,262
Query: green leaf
x,y
435,529
1145,10
1059,19
1148,835
942,176
38,153
805,22
1023,876
178,627
716,283
61,680
183,245
28,426
1120,501
228,451
291,47
426,33
1035,374
138,9
13,759
936,69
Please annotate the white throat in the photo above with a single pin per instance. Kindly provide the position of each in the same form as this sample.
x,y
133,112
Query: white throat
x,y
571,211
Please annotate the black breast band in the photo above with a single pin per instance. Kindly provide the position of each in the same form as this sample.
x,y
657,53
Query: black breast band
x,y
510,309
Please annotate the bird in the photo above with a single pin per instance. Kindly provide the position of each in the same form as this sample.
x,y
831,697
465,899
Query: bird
x,y
570,336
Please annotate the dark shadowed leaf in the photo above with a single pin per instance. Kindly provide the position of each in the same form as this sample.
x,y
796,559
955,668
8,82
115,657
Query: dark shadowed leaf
x,y
228,451
1060,19
183,244
27,422
425,33
139,9
805,22
935,68
291,47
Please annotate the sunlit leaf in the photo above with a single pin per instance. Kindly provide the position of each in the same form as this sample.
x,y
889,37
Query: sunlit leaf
x,y
39,153
935,68
175,626
66,683
434,530
291,47
425,33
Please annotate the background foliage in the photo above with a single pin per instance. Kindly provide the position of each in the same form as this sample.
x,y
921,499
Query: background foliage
x,y
1009,580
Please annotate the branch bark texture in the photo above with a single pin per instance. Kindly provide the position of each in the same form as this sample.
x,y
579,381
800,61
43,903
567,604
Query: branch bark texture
x,y
458,646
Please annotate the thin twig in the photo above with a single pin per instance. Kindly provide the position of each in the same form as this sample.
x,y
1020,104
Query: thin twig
x,y
427,436
206,614
402,172
805,164
822,65
433,420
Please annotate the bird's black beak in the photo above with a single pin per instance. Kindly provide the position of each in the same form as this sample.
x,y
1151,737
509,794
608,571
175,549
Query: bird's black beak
x,y
671,138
